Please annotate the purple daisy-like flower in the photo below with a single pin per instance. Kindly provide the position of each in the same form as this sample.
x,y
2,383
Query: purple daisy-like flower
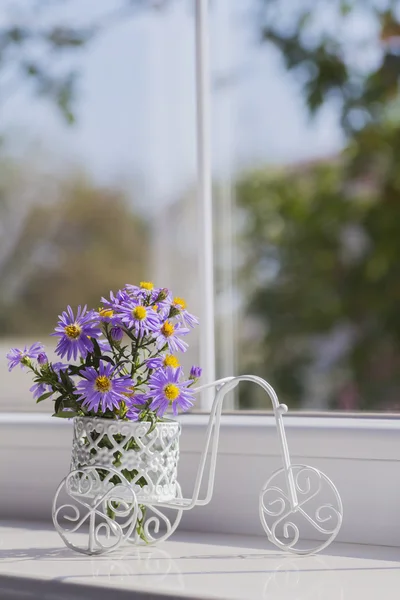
x,y
21,357
154,363
75,332
136,403
106,315
162,362
179,308
162,309
144,290
115,299
104,389
169,334
161,301
165,389
159,298
59,366
143,319
38,389
104,345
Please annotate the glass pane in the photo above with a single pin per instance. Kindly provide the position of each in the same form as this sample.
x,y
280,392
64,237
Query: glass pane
x,y
98,186
310,172
96,172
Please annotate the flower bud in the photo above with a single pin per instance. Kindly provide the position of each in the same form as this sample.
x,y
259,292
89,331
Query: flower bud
x,y
173,312
26,361
195,372
42,358
116,334
162,294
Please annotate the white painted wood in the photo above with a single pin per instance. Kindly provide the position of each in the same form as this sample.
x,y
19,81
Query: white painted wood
x,y
204,197
362,457
35,566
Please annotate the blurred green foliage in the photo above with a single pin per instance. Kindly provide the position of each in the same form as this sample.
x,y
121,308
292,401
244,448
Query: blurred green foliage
x,y
322,240
343,51
71,246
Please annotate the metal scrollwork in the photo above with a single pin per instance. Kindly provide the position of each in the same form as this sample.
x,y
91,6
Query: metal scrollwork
x,y
317,511
157,523
100,499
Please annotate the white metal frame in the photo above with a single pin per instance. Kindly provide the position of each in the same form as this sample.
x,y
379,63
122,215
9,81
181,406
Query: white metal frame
x,y
204,195
287,497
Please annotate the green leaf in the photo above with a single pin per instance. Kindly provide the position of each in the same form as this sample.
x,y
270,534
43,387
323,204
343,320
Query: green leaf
x,y
59,403
96,347
108,359
44,396
75,370
66,414
65,379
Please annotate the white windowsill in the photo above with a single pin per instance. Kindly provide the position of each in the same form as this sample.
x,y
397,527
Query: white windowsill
x,y
35,565
361,456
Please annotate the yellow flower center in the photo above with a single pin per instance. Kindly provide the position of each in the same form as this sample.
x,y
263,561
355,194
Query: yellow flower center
x,y
106,312
139,313
171,361
168,329
73,331
180,303
102,384
146,285
130,393
171,392
155,307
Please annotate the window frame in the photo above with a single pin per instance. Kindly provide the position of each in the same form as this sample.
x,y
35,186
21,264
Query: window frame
x,y
360,453
361,456
204,198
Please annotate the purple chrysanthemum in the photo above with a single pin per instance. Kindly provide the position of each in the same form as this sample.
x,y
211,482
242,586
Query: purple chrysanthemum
x,y
179,307
169,334
136,403
162,362
154,363
161,300
21,357
104,345
165,389
144,290
104,389
75,332
59,366
143,319
115,299
162,309
38,389
108,313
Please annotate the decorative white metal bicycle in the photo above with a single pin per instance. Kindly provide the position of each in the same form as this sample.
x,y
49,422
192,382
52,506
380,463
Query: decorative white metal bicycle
x,y
106,509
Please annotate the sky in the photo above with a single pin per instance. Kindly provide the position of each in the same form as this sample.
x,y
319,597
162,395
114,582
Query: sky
x,y
136,106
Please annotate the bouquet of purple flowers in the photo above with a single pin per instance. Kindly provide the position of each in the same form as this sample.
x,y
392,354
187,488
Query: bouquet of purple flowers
x,y
124,358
